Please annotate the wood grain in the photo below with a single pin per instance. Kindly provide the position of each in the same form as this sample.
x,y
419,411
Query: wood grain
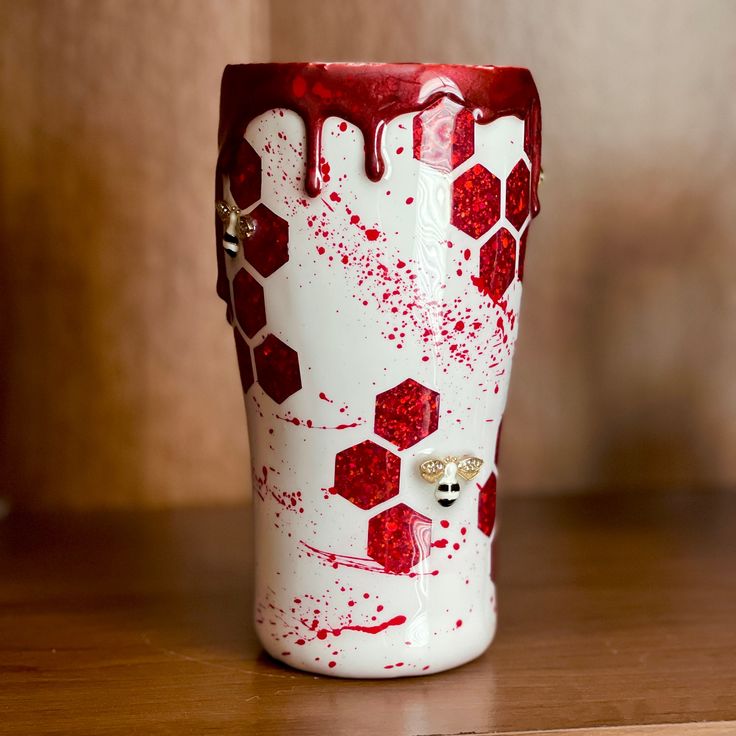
x,y
118,384
614,611
629,291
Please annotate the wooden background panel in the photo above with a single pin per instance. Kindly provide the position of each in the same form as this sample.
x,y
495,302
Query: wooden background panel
x,y
624,371
119,383
117,374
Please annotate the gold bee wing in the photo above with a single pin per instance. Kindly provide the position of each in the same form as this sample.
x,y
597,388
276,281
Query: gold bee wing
x,y
223,211
469,467
432,470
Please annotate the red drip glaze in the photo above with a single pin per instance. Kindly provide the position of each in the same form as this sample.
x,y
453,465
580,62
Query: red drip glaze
x,y
369,96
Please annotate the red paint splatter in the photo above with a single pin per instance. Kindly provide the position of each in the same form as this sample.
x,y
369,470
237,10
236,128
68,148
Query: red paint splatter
x,y
309,424
372,234
336,561
377,629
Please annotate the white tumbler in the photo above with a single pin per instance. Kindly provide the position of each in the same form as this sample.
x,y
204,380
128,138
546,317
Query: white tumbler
x,y
371,231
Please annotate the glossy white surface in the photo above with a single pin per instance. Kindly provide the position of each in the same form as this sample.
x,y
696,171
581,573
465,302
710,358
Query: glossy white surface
x,y
335,302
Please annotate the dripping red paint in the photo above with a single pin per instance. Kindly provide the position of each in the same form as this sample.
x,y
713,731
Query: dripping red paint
x,y
319,91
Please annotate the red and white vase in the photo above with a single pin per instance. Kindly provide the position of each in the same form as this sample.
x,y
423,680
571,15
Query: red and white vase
x,y
371,232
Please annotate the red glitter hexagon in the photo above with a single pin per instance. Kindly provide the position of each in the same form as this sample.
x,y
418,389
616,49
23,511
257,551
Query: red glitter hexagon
x,y
367,474
522,253
399,538
476,201
250,308
245,175
517,195
487,505
244,361
497,265
407,413
277,368
444,135
267,249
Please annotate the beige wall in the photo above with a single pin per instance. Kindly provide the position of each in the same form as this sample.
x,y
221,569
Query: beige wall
x,y
118,378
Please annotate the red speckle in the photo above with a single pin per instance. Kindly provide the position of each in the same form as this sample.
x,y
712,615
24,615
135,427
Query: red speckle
x,y
379,608
466,254
409,200
440,543
332,664
458,623
444,523
459,325
343,126
372,234
351,603
400,150
366,595
335,197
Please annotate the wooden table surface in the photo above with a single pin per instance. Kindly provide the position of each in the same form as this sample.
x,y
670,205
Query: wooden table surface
x,y
617,616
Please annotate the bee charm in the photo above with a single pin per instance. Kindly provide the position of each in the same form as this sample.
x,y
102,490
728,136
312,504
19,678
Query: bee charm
x,y
446,472
238,226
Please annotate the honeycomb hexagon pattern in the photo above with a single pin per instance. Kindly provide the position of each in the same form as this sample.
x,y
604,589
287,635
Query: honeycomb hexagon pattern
x,y
245,363
267,249
497,265
245,175
476,201
444,135
249,304
399,538
517,195
277,369
406,413
367,474
487,505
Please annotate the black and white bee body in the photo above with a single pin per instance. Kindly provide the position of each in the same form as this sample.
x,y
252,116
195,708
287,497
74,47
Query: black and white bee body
x,y
446,472
447,494
238,226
